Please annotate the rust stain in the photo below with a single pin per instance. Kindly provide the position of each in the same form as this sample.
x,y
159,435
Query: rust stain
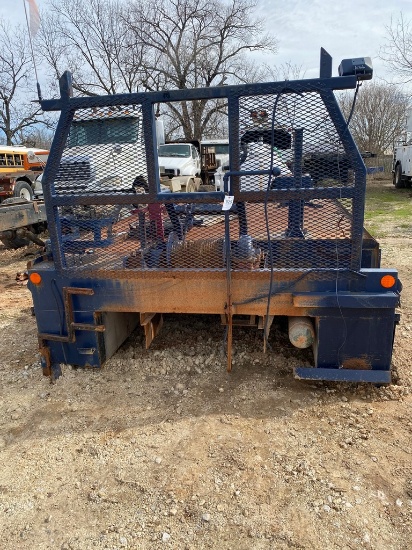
x,y
356,363
45,353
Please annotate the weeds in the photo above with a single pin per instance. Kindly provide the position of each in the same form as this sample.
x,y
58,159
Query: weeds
x,y
388,210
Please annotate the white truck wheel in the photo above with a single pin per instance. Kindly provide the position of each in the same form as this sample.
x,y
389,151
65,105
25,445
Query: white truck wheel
x,y
398,181
23,190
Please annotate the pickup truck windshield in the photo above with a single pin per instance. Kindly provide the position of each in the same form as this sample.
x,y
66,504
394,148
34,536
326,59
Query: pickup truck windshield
x,y
104,131
174,150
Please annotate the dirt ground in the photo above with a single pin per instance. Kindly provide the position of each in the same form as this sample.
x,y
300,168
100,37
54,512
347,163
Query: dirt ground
x,y
164,449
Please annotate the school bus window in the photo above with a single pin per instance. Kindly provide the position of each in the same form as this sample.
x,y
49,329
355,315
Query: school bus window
x,y
18,160
10,160
2,159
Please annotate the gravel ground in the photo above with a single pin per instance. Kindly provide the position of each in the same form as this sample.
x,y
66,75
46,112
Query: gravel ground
x,y
164,449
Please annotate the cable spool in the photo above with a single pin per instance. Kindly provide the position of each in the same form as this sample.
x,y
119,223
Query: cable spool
x,y
200,254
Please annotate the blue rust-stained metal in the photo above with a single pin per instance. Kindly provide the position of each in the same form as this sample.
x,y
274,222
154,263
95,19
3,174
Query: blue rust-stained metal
x,y
297,267
344,375
341,331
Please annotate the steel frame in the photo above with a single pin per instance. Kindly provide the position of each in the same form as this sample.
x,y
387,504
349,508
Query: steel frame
x,y
76,312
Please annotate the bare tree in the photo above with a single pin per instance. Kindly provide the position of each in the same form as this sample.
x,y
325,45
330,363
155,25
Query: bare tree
x,y
285,71
378,116
92,41
17,112
397,49
196,43
39,137
113,47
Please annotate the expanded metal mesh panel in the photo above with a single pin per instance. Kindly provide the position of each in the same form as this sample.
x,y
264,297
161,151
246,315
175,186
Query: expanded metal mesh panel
x,y
290,131
193,237
104,153
144,237
116,206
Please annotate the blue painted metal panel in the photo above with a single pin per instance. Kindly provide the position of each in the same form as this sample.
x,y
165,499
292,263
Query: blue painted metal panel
x,y
355,339
295,232
344,375
347,300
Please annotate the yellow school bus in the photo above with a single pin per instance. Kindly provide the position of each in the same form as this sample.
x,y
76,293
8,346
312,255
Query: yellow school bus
x,y
19,168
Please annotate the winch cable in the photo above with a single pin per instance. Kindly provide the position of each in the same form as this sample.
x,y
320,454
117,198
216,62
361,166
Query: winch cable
x,y
270,252
358,85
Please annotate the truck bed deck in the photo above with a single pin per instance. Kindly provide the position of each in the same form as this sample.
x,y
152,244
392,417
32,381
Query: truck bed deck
x,y
119,245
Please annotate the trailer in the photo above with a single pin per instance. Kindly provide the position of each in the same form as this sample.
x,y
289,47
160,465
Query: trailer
x,y
21,221
277,241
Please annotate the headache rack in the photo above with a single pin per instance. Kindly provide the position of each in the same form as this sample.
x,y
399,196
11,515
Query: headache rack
x,y
283,235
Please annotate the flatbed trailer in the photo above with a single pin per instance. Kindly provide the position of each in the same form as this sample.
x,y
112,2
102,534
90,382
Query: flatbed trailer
x,y
18,219
269,245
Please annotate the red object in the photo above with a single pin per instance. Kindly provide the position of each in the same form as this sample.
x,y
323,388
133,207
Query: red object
x,y
155,215
34,17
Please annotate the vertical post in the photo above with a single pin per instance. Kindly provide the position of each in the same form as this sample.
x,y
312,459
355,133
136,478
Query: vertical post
x,y
351,150
229,314
149,131
233,121
325,69
295,214
52,168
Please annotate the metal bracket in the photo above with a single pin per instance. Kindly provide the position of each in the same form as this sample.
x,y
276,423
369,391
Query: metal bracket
x,y
152,323
68,292
245,321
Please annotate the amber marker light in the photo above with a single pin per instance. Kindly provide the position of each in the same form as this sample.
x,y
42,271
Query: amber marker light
x,y
388,281
35,278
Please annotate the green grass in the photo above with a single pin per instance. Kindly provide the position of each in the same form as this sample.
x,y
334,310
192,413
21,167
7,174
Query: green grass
x,y
388,211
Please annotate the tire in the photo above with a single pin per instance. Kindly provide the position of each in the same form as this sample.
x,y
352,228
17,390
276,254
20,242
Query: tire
x,y
12,241
23,190
397,178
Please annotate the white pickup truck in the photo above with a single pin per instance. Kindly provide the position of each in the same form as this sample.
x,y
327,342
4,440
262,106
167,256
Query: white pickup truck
x,y
183,167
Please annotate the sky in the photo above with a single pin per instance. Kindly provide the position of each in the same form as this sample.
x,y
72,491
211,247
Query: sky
x,y
345,28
